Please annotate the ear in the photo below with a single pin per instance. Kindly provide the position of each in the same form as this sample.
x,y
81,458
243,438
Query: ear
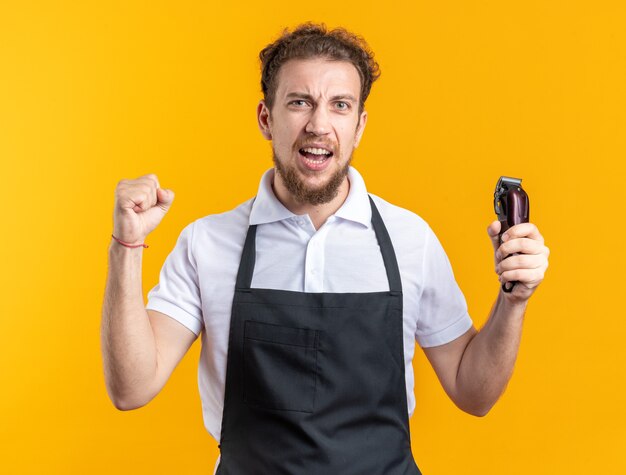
x,y
360,128
264,119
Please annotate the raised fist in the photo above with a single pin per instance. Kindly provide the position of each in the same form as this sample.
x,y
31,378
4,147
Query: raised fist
x,y
140,205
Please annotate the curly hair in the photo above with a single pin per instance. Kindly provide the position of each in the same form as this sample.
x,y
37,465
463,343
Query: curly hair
x,y
311,40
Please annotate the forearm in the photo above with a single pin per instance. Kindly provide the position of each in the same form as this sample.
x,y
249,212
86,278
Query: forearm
x,y
128,344
488,361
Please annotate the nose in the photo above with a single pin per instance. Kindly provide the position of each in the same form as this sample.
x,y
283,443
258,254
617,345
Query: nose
x,y
318,123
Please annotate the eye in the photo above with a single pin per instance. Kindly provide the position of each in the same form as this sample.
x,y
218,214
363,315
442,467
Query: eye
x,y
298,102
343,105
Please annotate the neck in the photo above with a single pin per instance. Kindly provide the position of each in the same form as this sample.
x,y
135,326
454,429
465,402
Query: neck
x,y
318,213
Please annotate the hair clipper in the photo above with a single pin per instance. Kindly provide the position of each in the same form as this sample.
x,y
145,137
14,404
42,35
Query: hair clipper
x,y
510,202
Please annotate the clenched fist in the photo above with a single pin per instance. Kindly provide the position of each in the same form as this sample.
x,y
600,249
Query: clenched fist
x,y
140,205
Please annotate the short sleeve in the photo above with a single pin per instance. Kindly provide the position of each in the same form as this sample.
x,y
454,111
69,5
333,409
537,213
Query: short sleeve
x,y
177,294
442,310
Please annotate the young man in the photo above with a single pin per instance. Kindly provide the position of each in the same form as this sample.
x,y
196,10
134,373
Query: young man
x,y
311,295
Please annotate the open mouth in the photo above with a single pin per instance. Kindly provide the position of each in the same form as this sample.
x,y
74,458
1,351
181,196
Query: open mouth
x,y
314,157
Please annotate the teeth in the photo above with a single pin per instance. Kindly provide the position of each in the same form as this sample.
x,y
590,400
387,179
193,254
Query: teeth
x,y
317,151
315,162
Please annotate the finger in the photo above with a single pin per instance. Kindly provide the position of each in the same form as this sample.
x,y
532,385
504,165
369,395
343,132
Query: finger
x,y
138,197
522,246
522,230
529,277
521,262
149,183
494,228
142,200
150,178
152,182
493,231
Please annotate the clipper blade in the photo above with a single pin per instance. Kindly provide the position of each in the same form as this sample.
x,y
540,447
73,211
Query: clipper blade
x,y
505,183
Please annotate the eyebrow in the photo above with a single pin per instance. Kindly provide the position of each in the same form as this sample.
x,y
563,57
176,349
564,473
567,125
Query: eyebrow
x,y
304,95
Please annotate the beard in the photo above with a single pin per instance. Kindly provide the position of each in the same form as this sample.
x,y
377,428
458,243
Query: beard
x,y
304,194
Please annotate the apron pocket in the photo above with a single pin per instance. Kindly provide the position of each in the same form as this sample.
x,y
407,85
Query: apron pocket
x,y
280,366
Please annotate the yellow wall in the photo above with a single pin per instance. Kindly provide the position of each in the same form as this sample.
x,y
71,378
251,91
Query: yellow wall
x,y
93,92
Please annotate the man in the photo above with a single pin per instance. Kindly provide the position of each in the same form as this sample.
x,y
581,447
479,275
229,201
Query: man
x,y
312,295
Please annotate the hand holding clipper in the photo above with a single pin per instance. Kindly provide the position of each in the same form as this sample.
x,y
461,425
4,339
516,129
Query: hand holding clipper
x,y
511,205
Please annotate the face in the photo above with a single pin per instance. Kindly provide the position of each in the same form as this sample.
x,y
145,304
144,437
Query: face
x,y
314,126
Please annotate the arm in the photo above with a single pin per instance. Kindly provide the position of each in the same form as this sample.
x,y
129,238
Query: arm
x,y
140,348
475,368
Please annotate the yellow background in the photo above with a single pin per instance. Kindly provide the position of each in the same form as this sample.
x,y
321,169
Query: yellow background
x,y
93,92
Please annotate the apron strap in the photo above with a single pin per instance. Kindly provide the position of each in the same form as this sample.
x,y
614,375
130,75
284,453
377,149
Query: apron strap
x,y
386,249
248,257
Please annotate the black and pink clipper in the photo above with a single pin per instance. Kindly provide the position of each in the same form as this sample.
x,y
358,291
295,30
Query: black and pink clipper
x,y
510,202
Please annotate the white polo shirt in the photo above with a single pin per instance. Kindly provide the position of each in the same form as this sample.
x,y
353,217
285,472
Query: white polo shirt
x,y
197,281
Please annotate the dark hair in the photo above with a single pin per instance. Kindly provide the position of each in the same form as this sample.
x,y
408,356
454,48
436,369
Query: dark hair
x,y
310,40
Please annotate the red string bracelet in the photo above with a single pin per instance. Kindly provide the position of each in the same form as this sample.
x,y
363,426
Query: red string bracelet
x,y
127,244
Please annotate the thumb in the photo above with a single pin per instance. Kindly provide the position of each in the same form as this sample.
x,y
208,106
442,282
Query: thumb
x,y
493,230
165,197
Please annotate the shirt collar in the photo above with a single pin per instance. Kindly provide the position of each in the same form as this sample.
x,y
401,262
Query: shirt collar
x,y
268,209
357,206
